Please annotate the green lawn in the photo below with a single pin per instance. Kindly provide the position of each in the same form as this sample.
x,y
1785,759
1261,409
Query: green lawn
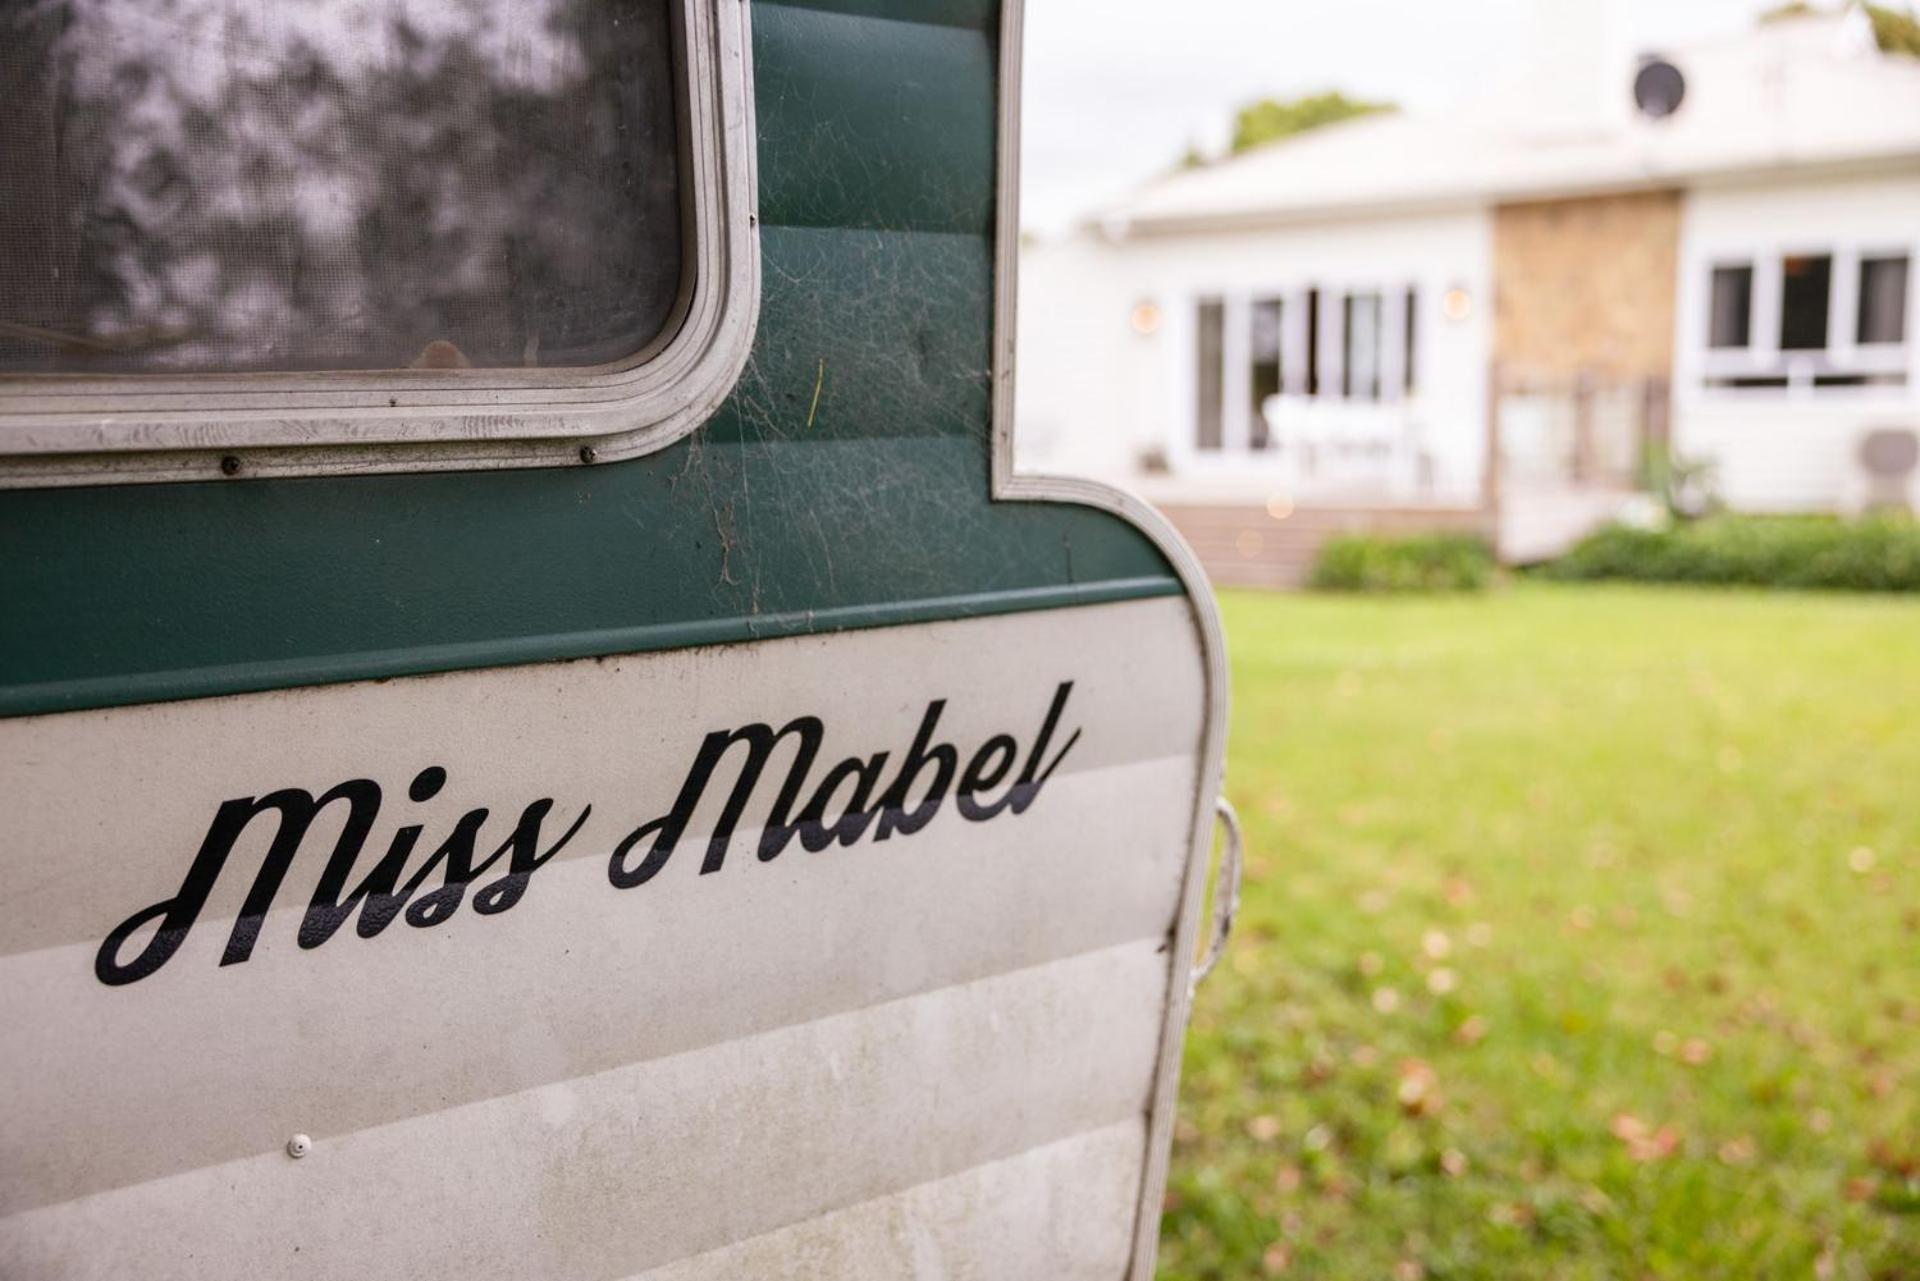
x,y
1581,938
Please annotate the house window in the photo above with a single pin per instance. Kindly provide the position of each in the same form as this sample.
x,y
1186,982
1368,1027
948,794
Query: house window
x,y
326,236
1408,378
1313,342
1730,320
1210,369
1263,357
1832,319
1360,347
1806,291
1883,300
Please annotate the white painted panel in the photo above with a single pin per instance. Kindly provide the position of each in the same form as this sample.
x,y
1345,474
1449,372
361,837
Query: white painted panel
x,y
1059,1212
643,1165
157,1109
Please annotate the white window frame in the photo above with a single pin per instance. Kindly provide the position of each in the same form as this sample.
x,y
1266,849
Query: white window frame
x,y
1236,455
88,430
1843,356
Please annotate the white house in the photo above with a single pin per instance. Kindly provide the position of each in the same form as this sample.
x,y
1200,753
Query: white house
x,y
1488,318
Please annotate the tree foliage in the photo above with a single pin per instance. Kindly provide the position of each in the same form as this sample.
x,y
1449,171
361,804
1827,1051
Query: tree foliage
x,y
1270,120
1895,30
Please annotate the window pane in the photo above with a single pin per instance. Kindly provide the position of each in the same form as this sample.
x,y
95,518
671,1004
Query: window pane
x,y
1731,321
223,185
1313,342
1264,355
1208,357
1805,290
1360,367
1411,381
1883,300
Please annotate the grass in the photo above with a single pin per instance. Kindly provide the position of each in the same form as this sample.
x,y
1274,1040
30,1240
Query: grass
x,y
1581,939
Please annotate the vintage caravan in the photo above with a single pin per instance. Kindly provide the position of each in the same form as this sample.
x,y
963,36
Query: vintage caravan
x,y
540,735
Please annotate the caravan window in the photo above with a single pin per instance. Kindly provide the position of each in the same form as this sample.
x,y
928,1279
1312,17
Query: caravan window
x,y
217,187
246,238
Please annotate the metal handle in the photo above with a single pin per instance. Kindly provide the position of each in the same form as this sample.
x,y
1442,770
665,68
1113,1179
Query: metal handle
x,y
1226,893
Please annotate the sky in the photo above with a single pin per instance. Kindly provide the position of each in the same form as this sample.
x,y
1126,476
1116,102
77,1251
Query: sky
x,y
1116,90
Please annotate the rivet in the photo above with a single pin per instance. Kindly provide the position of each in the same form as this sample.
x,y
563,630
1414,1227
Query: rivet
x,y
587,454
230,465
298,1146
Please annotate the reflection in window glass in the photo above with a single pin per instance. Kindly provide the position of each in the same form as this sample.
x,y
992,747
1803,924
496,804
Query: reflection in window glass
x,y
1264,354
1410,382
1730,320
1210,370
228,185
1883,300
1361,349
1806,288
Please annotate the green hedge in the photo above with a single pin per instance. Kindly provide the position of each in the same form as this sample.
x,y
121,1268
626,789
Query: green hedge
x,y
1881,554
1421,563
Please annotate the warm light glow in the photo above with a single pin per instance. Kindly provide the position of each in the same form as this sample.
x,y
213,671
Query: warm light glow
x,y
1145,318
1280,506
1457,304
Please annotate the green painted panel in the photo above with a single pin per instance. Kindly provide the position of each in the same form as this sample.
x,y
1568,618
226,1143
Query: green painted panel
x,y
844,484
873,124
890,329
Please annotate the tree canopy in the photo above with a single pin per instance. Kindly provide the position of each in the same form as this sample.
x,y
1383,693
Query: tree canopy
x,y
1895,30
1270,120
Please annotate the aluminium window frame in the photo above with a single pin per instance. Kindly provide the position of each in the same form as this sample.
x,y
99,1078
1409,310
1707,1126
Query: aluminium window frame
x,y
84,429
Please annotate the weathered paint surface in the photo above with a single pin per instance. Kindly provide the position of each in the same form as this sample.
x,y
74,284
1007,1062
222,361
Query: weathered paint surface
x,y
900,1051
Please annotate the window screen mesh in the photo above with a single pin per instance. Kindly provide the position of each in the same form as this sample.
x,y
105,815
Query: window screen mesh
x,y
229,185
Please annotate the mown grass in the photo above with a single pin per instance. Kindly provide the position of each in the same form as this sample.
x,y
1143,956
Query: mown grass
x,y
1581,939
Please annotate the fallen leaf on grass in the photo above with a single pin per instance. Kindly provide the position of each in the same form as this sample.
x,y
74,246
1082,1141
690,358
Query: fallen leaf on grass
x,y
1419,1089
1644,1143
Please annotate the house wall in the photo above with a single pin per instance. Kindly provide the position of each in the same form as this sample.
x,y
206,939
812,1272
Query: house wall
x,y
1079,374
1095,395
1792,450
1586,287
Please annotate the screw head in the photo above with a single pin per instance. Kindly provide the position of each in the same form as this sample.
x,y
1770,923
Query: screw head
x,y
589,455
298,1146
230,465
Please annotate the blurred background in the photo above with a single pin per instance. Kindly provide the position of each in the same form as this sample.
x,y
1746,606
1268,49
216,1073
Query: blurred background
x,y
1537,380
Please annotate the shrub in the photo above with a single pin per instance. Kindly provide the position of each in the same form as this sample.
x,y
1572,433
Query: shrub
x,y
1879,554
1422,563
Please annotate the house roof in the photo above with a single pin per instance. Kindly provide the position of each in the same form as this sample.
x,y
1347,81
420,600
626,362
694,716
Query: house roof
x,y
1806,92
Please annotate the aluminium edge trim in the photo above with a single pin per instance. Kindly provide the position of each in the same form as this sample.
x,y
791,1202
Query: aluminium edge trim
x,y
1011,486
